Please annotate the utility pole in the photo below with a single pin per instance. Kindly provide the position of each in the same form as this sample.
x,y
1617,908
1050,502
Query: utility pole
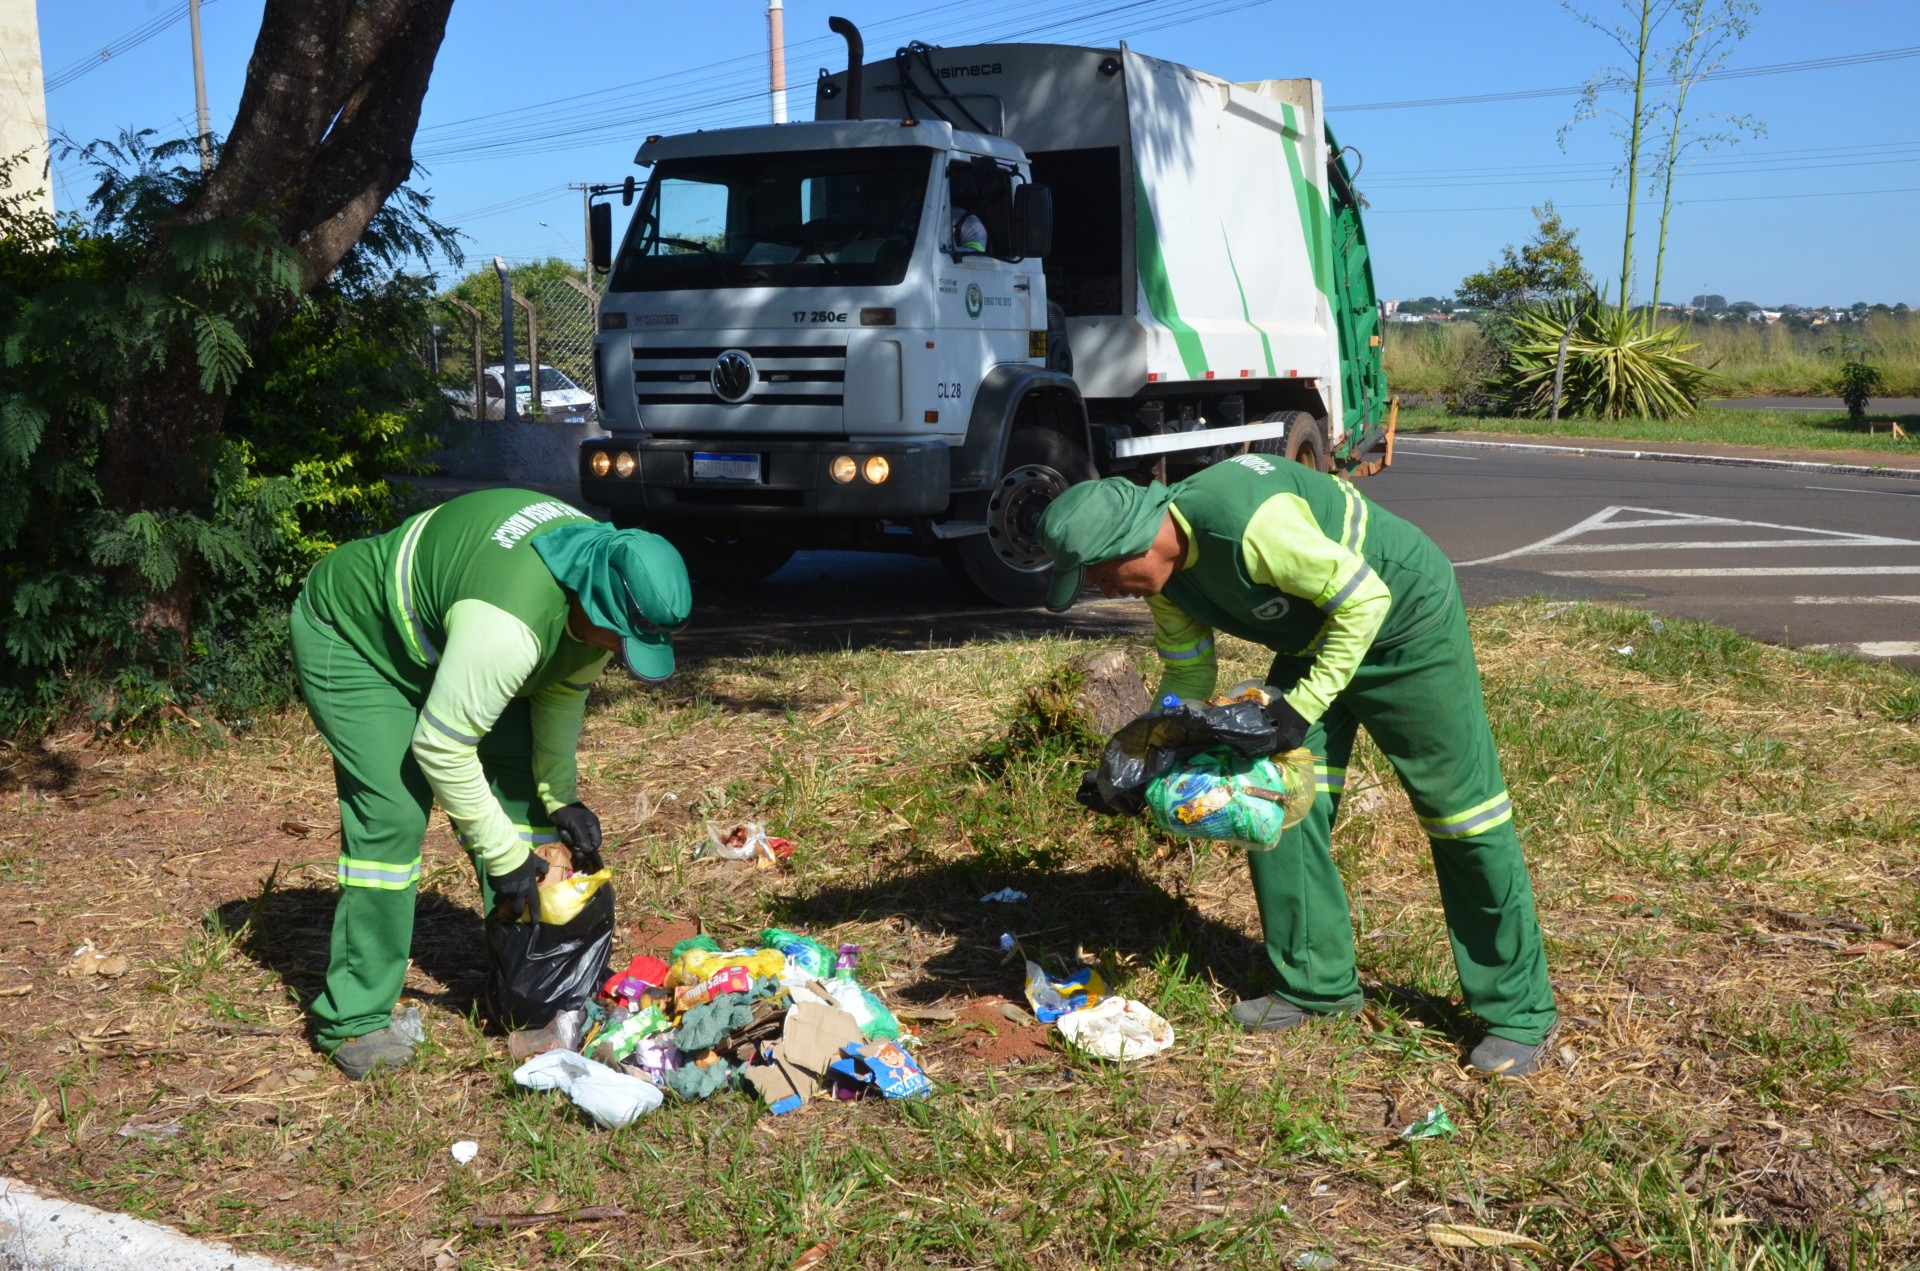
x,y
777,59
200,85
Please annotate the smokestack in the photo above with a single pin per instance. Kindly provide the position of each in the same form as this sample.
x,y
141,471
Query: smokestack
x,y
856,61
777,59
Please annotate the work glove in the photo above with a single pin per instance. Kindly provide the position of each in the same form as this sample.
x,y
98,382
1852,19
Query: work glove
x,y
579,829
1289,725
517,891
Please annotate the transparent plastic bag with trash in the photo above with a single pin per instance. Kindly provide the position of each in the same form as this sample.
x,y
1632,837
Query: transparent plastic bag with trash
x,y
1218,794
1156,743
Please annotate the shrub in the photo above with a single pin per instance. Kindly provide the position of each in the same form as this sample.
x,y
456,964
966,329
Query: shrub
x,y
1620,363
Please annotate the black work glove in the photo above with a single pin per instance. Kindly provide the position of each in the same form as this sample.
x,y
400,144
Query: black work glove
x,y
580,830
517,891
1288,724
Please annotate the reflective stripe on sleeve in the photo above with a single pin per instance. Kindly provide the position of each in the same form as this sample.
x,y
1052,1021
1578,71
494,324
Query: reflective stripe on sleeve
x,y
442,727
378,875
1356,535
1360,575
1328,777
1186,652
416,631
1475,820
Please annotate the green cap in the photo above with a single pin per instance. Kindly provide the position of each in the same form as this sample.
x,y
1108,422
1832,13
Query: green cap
x,y
627,581
1098,521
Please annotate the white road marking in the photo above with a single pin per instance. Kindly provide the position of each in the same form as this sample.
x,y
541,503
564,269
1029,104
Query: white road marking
x,y
1569,548
1874,648
1835,571
1658,518
1856,600
1848,489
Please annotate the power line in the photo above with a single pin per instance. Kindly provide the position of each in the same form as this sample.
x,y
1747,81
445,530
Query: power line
x,y
119,47
1528,94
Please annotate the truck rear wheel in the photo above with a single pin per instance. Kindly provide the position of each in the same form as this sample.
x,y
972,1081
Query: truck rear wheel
x,y
1303,442
726,560
1007,564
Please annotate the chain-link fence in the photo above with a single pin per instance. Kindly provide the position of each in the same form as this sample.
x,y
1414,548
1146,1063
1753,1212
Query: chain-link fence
x,y
553,324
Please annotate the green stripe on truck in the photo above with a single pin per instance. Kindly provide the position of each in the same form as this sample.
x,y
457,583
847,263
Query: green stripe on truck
x,y
1313,209
1159,288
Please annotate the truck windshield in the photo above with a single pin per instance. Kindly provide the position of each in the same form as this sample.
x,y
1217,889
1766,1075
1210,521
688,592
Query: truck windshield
x,y
781,220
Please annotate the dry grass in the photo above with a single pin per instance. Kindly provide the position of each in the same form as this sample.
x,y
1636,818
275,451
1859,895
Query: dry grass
x,y
1724,839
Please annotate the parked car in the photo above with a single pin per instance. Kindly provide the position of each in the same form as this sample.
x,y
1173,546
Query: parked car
x,y
561,400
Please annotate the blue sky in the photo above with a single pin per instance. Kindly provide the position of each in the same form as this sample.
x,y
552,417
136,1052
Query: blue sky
x,y
527,98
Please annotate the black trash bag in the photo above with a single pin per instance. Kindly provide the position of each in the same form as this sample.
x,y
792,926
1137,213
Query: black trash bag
x,y
1154,743
539,969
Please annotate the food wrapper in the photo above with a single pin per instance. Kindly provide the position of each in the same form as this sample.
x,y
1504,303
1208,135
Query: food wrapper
x,y
698,965
1218,794
884,1066
1051,998
562,900
1117,1028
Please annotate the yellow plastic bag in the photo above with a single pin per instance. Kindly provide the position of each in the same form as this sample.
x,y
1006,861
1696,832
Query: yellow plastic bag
x,y
561,902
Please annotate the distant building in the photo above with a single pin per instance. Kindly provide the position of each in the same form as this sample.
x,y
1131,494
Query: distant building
x,y
23,100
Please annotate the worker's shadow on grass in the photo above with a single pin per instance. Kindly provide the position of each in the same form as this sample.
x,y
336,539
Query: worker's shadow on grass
x,y
1111,911
288,931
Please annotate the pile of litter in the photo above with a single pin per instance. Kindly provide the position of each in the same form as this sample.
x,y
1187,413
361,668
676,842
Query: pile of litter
x,y
786,1019
1098,1024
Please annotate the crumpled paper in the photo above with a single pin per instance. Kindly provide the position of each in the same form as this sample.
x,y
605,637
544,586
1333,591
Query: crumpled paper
x,y
1117,1028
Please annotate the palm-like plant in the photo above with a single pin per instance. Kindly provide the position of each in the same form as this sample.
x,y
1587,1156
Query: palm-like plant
x,y
1620,363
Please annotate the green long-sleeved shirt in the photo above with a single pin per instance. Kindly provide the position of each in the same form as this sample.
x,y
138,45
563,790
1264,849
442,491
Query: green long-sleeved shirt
x,y
1297,561
459,612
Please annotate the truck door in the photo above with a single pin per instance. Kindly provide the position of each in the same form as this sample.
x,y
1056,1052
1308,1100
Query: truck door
x,y
985,303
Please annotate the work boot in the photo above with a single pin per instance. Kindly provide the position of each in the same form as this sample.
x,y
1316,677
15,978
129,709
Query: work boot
x,y
386,1048
1498,1057
1273,1014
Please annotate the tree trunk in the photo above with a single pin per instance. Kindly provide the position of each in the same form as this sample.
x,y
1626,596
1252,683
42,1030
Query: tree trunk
x,y
323,134
1633,147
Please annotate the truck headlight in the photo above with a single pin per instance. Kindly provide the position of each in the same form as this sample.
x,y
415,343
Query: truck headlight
x,y
623,464
843,469
601,463
877,469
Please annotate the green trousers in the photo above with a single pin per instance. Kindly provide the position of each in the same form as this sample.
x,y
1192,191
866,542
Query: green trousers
x,y
368,722
1421,703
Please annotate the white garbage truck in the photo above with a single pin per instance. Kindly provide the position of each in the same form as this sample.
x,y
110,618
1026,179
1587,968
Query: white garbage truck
x,y
978,275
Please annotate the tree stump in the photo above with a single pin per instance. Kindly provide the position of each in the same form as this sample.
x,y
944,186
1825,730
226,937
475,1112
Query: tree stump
x,y
1110,692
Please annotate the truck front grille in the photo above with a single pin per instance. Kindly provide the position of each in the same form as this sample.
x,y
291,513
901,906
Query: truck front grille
x,y
788,376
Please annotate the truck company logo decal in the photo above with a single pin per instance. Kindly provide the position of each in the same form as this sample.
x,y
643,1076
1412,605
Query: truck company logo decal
x,y
733,376
967,72
656,319
521,523
973,300
1269,610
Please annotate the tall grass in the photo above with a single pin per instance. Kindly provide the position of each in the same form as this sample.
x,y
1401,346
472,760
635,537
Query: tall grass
x,y
1439,358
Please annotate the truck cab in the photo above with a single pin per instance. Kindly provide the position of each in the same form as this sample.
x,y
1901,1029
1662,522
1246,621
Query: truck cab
x,y
869,331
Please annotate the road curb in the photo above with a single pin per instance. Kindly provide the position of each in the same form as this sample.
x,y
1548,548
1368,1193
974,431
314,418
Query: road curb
x,y
39,1232
1668,456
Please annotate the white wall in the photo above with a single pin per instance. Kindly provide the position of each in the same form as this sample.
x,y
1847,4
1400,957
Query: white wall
x,y
23,100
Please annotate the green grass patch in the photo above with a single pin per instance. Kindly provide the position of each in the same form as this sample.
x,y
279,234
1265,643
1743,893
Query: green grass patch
x,y
1769,429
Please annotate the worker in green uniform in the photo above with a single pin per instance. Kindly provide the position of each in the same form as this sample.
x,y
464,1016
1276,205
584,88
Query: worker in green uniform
x,y
1366,621
449,661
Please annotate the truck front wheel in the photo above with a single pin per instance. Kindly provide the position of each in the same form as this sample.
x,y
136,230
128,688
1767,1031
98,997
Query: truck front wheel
x,y
1006,564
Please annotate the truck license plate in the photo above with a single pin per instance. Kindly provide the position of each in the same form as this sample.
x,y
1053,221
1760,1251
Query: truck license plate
x,y
711,466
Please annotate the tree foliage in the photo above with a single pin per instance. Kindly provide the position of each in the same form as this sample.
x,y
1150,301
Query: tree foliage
x,y
317,412
1545,268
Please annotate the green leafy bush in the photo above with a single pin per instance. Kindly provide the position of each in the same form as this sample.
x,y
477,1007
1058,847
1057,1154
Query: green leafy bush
x,y
1620,363
318,411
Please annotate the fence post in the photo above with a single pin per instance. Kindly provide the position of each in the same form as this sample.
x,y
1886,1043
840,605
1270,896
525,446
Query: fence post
x,y
533,345
510,401
479,357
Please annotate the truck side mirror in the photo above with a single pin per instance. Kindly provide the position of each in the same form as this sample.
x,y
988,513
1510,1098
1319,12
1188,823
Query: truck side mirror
x,y
1032,220
600,235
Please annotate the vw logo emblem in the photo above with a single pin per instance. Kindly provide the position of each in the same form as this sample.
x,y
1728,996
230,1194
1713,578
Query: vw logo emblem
x,y
734,376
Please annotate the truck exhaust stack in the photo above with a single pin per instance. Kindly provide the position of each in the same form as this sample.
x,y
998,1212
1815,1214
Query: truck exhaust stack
x,y
856,61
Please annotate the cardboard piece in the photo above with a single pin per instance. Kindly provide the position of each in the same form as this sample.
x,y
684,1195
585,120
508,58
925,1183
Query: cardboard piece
x,y
815,1035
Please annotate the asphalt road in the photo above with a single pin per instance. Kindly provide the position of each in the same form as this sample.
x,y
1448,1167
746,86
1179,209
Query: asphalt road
x,y
1879,405
1792,557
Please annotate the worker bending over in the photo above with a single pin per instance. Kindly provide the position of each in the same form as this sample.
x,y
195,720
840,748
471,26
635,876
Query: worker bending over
x,y
1365,617
449,660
